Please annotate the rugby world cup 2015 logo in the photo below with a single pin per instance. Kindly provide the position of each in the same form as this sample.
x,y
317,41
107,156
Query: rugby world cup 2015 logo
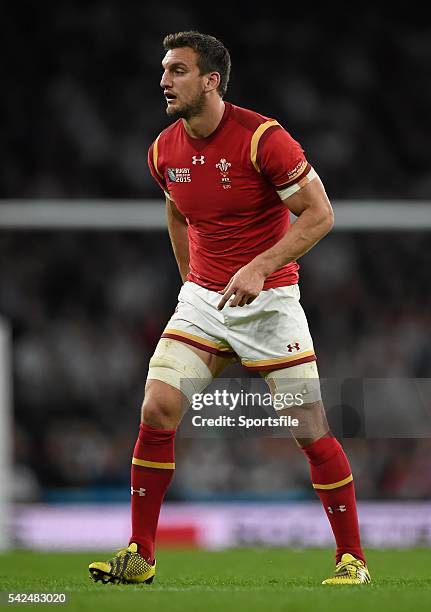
x,y
224,166
179,175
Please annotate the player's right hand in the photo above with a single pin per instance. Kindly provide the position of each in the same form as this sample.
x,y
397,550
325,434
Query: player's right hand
x,y
244,287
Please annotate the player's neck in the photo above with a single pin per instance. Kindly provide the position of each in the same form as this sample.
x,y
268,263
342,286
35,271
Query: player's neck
x,y
203,125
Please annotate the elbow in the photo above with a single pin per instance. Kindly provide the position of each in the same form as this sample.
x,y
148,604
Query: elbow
x,y
330,219
327,220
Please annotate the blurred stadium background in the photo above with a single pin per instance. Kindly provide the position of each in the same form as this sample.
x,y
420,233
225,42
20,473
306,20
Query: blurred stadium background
x,y
84,304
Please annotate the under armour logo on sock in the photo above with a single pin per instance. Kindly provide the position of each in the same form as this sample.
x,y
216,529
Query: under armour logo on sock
x,y
140,492
341,508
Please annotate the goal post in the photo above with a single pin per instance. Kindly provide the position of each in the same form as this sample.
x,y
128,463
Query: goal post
x,y
6,448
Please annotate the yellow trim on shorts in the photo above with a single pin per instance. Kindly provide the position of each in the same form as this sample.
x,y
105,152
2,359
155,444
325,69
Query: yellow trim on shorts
x,y
156,156
255,140
153,464
334,485
177,332
263,362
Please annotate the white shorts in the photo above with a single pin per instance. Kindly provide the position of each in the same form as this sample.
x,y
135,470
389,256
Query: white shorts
x,y
269,334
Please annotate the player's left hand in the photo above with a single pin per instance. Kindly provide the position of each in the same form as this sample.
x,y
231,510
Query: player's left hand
x,y
245,285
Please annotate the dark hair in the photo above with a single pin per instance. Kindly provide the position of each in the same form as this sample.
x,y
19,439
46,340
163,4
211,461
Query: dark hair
x,y
212,54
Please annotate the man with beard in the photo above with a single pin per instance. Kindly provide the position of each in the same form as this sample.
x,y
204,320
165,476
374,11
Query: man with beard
x,y
231,176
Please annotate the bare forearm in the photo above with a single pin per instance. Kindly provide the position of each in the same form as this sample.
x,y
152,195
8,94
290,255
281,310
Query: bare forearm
x,y
177,228
307,230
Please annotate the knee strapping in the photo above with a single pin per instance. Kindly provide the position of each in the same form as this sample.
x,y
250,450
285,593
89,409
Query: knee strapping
x,y
301,381
177,365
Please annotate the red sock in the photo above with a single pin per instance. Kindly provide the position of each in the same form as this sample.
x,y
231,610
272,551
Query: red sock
x,y
333,481
152,471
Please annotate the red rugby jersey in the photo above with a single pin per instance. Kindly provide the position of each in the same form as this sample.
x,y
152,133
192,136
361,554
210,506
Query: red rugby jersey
x,y
229,187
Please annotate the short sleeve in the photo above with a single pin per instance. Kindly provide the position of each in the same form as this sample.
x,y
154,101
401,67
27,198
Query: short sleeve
x,y
281,160
155,172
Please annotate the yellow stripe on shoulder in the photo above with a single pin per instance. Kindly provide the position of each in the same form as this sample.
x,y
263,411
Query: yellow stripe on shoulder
x,y
156,155
255,140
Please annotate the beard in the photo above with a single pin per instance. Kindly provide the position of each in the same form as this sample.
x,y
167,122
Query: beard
x,y
187,111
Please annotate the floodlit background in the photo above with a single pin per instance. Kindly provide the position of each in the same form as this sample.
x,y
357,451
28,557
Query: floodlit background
x,y
85,308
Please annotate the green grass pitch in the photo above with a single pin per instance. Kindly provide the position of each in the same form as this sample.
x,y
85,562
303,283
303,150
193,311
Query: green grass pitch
x,y
241,579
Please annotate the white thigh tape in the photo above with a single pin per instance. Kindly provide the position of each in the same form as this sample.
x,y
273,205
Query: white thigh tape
x,y
301,380
177,365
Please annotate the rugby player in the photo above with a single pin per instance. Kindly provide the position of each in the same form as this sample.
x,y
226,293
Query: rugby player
x,y
231,176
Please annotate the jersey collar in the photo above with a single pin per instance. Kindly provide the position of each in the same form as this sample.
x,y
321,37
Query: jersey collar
x,y
201,143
